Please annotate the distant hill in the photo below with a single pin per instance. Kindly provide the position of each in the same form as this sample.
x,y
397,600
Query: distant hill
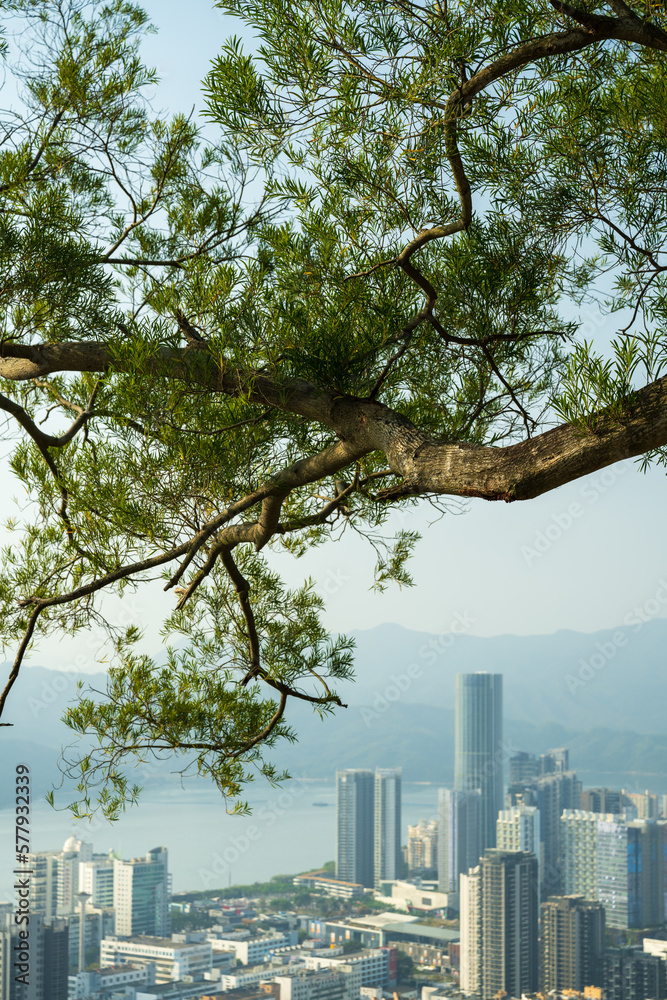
x,y
615,678
420,739
610,711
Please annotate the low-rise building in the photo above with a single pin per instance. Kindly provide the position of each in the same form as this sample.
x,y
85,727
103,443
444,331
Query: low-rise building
x,y
249,977
425,954
175,957
253,950
262,992
332,886
411,896
83,984
343,983
381,930
377,966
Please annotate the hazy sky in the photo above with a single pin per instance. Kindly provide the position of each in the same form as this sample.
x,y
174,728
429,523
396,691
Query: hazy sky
x,y
580,558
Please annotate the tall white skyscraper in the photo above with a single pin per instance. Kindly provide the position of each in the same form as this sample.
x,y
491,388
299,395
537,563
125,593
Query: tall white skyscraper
x,y
578,833
479,757
355,808
388,858
141,893
96,877
55,882
44,883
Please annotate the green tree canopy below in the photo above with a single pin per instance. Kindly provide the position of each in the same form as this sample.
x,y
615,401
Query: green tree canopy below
x,y
345,302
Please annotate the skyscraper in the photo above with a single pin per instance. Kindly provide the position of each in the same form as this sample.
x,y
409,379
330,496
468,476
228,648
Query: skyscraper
x,y
387,840
524,768
602,800
499,943
556,790
423,845
44,883
141,895
355,807
45,960
478,760
578,836
633,974
555,761
458,835
631,871
572,943
73,853
97,878
55,880
471,930
518,829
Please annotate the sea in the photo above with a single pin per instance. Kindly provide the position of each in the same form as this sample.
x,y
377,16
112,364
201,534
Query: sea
x,y
292,829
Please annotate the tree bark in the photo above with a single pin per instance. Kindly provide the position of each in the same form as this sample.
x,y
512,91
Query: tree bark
x,y
516,472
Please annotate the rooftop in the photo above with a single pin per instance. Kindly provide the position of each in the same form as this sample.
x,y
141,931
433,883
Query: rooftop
x,y
153,942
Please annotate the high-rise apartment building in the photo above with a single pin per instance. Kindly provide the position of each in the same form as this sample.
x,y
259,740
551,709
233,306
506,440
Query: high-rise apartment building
x,y
578,836
524,768
647,806
632,974
388,857
45,960
499,944
631,872
518,829
479,755
96,877
73,853
355,808
471,931
141,895
602,800
618,862
55,880
556,790
572,943
368,826
459,844
423,845
555,761
44,883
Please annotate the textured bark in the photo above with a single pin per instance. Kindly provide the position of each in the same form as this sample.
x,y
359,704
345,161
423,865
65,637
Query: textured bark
x,y
517,472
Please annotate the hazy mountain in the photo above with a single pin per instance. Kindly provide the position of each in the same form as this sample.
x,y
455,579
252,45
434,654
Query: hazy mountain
x,y
420,739
603,695
615,679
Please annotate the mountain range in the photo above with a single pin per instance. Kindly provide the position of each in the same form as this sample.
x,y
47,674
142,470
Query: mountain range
x,y
603,695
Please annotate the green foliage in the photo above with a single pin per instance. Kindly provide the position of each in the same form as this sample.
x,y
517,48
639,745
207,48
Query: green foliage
x,y
404,967
192,343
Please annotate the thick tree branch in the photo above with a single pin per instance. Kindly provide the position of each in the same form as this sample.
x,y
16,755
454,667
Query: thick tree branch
x,y
517,472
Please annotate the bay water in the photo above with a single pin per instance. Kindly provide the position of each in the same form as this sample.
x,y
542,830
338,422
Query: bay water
x,y
292,829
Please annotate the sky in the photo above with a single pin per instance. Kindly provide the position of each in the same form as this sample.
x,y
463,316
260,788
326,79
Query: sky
x,y
579,558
